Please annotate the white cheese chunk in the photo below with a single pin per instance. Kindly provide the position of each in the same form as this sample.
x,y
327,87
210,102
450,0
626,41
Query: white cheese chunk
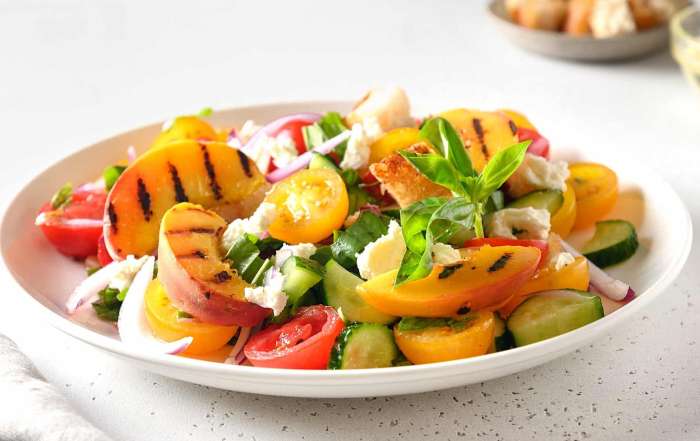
x,y
256,224
382,255
388,105
270,295
537,173
443,254
610,18
127,271
305,250
519,223
362,136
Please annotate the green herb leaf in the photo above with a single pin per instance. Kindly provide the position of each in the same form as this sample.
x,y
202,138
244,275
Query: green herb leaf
x,y
415,219
63,197
436,168
111,174
108,305
348,243
440,133
421,323
183,315
245,258
91,271
332,125
499,169
205,112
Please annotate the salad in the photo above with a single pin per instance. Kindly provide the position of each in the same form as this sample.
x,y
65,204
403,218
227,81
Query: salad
x,y
329,241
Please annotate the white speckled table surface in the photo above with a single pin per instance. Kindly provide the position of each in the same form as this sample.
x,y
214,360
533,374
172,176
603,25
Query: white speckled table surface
x,y
76,71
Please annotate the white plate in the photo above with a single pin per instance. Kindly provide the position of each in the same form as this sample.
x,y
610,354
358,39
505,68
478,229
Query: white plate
x,y
584,48
662,221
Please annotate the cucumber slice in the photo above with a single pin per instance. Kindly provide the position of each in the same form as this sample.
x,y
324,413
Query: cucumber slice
x,y
502,337
364,346
321,161
299,276
613,242
551,313
550,200
339,292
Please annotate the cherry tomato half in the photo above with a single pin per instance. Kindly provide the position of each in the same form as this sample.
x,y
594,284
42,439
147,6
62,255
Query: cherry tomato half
x,y
542,245
293,129
103,256
74,240
304,342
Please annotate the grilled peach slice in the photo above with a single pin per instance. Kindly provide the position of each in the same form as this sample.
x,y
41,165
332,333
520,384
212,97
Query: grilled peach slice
x,y
483,133
184,128
485,279
192,269
211,174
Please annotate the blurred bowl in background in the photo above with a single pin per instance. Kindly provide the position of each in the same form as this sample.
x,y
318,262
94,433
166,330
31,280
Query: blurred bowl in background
x,y
685,43
580,48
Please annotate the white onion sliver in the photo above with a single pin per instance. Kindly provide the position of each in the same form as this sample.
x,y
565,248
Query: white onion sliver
x,y
275,125
605,284
303,160
243,335
134,329
131,154
91,286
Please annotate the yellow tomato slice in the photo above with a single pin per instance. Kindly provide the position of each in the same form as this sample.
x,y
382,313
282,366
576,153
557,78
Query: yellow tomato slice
x,y
311,204
394,140
518,118
165,324
573,276
185,128
563,220
595,186
432,345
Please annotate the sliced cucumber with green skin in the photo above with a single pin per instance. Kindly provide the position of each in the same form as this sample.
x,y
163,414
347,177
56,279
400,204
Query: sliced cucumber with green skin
x,y
321,161
364,346
614,241
551,313
339,291
550,200
502,337
300,275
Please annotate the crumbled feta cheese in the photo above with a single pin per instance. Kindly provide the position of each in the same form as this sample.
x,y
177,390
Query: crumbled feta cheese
x,y
256,224
271,294
280,149
560,260
382,255
127,271
362,136
537,173
610,18
247,131
444,254
305,250
519,223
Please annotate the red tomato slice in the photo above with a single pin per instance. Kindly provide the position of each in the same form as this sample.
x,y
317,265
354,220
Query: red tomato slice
x,y
502,241
304,342
540,144
103,256
79,241
293,130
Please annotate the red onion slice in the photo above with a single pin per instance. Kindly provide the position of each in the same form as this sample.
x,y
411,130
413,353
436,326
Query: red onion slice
x,y
303,160
91,286
133,326
243,335
275,126
602,282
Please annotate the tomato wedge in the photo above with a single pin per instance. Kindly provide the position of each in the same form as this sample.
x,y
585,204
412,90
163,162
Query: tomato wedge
x,y
542,245
304,342
69,229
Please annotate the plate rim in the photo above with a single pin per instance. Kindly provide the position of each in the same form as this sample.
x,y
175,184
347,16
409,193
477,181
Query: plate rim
x,y
564,343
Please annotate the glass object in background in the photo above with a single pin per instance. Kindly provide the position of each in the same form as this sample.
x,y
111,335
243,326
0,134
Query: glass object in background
x,y
685,29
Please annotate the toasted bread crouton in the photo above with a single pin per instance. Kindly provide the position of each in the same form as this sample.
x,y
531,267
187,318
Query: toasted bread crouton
x,y
403,182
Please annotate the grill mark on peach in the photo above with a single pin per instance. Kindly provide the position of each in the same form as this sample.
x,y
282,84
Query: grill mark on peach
x,y
245,163
222,277
180,195
113,218
144,200
211,172
478,128
513,127
198,254
209,231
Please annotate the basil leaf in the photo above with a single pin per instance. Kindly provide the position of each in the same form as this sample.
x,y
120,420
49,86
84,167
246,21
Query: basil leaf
x,y
108,305
454,215
497,171
348,243
332,125
111,174
443,136
245,258
415,219
436,168
205,112
495,202
63,197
